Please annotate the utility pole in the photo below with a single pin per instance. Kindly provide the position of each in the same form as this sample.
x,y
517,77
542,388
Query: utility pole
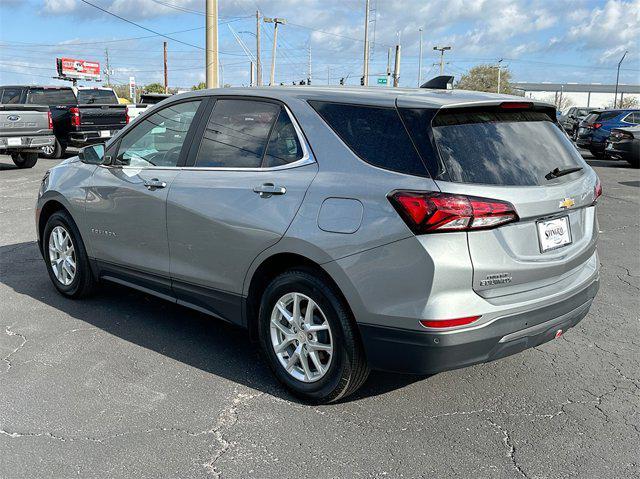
x,y
389,67
276,21
365,65
258,61
615,97
420,61
309,65
442,50
107,71
328,75
396,68
211,53
252,78
166,77
499,71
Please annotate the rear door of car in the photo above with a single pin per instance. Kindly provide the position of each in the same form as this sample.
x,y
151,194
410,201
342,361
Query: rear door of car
x,y
508,154
247,173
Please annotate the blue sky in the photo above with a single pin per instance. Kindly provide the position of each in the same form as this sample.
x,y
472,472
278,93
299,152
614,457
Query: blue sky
x,y
540,40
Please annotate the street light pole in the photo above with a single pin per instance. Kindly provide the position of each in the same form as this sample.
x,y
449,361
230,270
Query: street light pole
x,y
615,97
258,61
276,21
499,71
442,50
365,65
420,61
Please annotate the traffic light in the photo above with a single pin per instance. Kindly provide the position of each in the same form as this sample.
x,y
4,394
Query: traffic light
x,y
341,81
362,81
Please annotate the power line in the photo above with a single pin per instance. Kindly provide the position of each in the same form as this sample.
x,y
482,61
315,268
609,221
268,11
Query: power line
x,y
140,26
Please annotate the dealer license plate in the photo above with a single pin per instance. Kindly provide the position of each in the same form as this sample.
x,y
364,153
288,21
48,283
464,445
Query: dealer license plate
x,y
105,134
14,141
554,234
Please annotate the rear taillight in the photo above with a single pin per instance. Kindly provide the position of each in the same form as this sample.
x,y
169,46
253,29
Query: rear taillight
x,y
126,116
49,121
595,126
597,191
433,212
448,323
75,116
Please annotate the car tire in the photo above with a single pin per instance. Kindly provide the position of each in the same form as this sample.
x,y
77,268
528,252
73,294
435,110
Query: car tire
x,y
328,376
597,154
25,159
72,282
54,151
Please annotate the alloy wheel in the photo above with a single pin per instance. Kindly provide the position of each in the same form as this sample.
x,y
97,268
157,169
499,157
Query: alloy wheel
x,y
301,337
62,256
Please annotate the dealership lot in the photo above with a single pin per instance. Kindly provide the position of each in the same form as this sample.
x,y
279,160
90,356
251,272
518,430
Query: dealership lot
x,y
127,385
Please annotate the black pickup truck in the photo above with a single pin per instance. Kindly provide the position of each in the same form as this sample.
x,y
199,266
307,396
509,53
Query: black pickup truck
x,y
80,118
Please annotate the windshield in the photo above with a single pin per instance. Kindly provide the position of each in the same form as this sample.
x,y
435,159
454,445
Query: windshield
x,y
496,147
102,97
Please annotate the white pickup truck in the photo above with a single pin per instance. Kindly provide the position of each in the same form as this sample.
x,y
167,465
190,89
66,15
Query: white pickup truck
x,y
24,130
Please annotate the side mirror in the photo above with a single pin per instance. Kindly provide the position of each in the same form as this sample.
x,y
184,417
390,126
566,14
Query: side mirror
x,y
93,154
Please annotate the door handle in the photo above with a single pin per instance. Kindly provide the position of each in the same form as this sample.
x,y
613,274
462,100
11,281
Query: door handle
x,y
268,189
154,184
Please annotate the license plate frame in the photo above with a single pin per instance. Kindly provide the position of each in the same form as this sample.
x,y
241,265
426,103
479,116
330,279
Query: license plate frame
x,y
105,134
14,141
548,242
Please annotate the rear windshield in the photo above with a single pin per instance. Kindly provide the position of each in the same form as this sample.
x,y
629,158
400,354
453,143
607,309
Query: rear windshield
x,y
608,115
102,97
52,96
582,111
493,147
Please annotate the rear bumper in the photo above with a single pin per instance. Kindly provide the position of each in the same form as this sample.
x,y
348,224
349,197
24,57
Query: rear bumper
x,y
27,143
417,352
83,138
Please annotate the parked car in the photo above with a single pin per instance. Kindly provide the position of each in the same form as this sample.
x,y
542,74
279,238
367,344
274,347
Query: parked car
x,y
146,100
347,229
24,129
75,123
572,118
624,144
595,129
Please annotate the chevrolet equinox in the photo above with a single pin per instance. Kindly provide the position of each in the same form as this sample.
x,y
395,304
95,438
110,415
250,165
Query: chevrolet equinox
x,y
347,229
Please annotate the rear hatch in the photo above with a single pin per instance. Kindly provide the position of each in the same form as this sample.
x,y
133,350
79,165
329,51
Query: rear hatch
x,y
509,152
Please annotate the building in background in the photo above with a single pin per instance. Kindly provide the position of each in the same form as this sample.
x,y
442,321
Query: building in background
x,y
595,95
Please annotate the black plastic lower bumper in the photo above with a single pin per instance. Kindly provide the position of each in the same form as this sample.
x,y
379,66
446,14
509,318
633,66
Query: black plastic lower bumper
x,y
416,352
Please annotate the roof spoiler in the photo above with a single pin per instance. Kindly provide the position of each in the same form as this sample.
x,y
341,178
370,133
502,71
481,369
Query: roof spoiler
x,y
442,82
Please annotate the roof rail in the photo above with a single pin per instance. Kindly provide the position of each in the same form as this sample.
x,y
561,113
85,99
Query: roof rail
x,y
442,82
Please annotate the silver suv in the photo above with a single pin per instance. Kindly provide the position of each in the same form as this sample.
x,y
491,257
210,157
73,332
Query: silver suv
x,y
412,231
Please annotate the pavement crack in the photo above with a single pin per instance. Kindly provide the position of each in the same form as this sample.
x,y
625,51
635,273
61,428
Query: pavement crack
x,y
511,449
23,341
226,420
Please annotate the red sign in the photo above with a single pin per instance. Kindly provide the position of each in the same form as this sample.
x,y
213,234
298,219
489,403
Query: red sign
x,y
73,68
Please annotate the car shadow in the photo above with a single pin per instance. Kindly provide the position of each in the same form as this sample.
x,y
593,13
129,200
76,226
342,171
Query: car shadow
x,y
7,164
608,163
182,334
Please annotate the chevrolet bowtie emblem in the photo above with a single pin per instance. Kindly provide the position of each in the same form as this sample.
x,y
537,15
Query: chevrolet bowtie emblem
x,y
567,203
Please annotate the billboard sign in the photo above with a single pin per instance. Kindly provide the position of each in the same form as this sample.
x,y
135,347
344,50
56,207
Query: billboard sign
x,y
80,69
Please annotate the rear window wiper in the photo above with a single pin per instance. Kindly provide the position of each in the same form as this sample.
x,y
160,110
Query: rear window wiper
x,y
557,172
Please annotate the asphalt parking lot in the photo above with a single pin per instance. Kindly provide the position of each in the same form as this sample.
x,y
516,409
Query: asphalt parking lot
x,y
127,385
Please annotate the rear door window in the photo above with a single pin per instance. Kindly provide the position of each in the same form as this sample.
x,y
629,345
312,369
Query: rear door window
x,y
375,134
52,96
608,115
493,147
237,134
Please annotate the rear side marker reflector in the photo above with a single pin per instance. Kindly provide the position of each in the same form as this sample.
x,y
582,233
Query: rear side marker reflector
x,y
597,191
448,323
434,212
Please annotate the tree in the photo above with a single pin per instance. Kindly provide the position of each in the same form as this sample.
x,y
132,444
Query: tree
x,y
154,88
627,102
485,78
122,91
562,102
200,86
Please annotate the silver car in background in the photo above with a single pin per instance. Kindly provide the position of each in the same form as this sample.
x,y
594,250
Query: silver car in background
x,y
347,229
